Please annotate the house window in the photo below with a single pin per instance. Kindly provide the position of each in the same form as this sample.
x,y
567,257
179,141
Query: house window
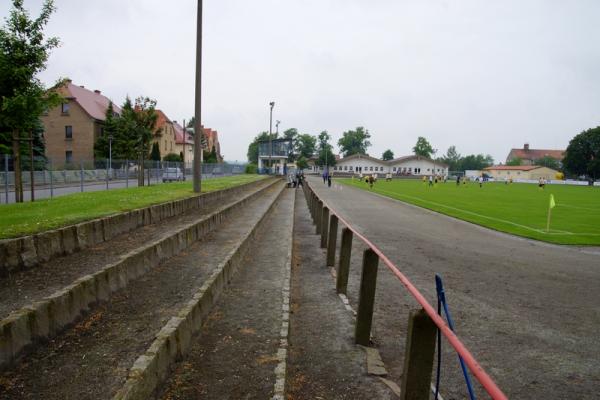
x,y
371,169
394,169
68,156
101,131
68,132
65,108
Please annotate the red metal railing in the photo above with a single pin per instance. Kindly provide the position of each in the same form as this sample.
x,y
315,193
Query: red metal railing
x,y
476,369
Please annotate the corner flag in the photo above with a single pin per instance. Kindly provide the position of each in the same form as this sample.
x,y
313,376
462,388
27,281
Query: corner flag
x,y
550,207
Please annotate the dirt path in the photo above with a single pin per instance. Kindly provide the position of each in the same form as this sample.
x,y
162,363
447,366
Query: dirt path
x,y
236,353
528,311
25,287
324,362
91,360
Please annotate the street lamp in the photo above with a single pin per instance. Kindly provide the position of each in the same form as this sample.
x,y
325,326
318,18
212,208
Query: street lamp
x,y
272,104
277,128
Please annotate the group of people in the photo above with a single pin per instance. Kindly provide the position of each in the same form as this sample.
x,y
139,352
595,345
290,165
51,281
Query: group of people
x,y
296,179
327,177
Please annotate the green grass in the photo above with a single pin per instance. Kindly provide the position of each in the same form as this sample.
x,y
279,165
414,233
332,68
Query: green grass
x,y
520,209
41,215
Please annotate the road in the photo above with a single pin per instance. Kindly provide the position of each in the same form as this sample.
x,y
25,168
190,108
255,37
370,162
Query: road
x,y
528,311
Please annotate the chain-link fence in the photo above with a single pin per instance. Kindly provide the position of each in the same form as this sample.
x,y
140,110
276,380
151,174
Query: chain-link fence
x,y
55,179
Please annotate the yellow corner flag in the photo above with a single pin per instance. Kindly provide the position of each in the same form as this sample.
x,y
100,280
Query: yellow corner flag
x,y
550,207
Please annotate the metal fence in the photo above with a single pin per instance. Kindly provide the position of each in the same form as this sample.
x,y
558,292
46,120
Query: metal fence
x,y
52,179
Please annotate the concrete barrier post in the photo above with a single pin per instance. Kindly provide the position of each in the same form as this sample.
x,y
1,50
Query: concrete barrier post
x,y
324,227
418,357
318,216
331,241
344,265
366,298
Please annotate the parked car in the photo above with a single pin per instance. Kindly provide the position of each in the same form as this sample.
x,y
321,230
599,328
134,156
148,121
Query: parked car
x,y
172,174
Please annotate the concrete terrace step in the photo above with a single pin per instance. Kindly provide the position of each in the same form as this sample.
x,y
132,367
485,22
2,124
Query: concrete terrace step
x,y
92,360
240,351
94,278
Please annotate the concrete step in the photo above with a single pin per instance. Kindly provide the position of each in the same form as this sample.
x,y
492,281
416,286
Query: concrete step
x,y
241,349
93,278
93,359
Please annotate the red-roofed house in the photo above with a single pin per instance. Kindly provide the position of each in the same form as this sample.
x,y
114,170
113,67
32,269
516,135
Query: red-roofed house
x,y
184,147
529,156
212,140
166,135
71,129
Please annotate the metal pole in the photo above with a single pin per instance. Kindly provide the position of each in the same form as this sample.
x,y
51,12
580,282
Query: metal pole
x,y
51,181
183,152
272,104
110,152
127,173
81,175
6,177
106,174
198,105
31,167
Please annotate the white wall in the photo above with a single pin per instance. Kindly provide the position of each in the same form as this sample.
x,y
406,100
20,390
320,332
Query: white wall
x,y
412,167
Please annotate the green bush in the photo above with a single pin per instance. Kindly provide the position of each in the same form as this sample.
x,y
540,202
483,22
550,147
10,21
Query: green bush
x,y
172,157
251,169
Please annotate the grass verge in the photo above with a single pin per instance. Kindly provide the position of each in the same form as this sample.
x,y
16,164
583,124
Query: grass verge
x,y
519,209
41,215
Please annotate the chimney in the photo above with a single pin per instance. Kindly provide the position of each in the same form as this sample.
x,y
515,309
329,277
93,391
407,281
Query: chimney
x,y
97,91
526,147
81,86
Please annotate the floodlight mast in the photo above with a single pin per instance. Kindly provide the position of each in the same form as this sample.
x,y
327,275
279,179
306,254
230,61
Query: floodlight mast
x,y
272,104
198,106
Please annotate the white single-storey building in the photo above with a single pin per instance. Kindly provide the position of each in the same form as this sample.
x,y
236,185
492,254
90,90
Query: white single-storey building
x,y
408,165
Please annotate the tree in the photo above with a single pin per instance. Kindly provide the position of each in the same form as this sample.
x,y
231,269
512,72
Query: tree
x,y
210,157
475,162
24,52
387,155
354,141
549,162
423,148
252,153
326,156
306,145
452,159
103,145
155,152
302,163
514,162
583,154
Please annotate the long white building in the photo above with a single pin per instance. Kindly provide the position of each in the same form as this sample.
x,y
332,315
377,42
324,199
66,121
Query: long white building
x,y
408,165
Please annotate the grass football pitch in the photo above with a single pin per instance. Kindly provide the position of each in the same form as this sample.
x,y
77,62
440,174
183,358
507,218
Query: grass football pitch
x,y
518,208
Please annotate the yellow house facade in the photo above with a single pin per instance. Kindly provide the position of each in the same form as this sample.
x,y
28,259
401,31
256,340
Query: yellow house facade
x,y
525,172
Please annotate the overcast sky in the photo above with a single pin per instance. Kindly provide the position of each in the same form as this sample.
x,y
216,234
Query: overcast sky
x,y
485,76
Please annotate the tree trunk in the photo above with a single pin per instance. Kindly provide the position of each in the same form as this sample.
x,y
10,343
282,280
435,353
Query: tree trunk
x,y
17,166
141,170
31,166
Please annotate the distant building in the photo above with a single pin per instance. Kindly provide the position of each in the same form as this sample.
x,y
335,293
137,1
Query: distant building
x,y
529,156
165,135
212,141
407,165
274,153
525,172
72,128
184,146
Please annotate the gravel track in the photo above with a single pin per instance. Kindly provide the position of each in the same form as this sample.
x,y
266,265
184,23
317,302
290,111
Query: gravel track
x,y
91,360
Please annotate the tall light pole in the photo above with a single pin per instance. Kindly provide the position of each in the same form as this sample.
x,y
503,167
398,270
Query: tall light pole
x,y
198,108
272,104
183,152
277,128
